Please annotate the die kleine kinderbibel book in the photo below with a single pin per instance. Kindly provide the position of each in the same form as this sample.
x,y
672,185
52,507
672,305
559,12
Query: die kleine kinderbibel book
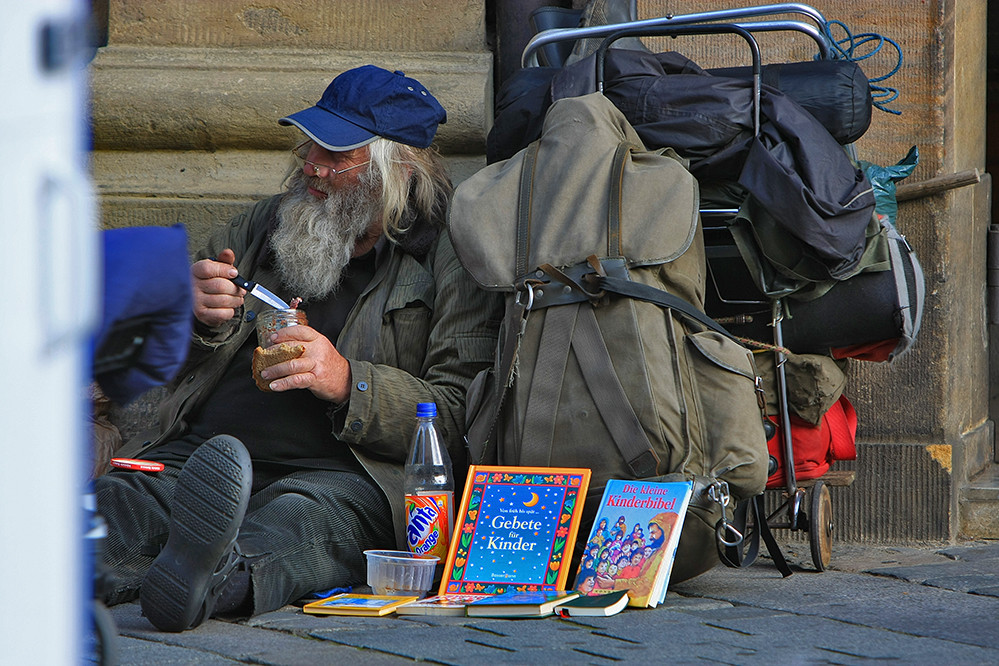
x,y
633,540
516,529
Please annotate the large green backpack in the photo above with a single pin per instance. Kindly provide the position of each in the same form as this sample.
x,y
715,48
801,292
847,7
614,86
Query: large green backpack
x,y
605,358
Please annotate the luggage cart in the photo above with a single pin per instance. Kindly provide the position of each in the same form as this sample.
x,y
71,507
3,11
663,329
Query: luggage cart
x,y
806,504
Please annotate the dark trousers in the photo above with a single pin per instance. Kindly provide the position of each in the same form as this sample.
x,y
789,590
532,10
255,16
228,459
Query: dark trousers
x,y
302,533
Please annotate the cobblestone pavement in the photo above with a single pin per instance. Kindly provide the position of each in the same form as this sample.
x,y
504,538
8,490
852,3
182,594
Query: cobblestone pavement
x,y
914,605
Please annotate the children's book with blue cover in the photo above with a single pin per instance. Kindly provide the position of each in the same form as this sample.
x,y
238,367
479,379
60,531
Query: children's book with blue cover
x,y
515,530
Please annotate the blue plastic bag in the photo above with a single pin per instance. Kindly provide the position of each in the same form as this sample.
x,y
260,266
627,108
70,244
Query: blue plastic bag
x,y
884,179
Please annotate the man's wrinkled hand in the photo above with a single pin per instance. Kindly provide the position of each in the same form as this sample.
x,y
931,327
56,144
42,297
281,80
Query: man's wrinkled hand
x,y
216,297
321,369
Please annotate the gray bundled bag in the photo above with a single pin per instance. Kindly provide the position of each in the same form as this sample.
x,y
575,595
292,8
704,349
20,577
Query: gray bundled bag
x,y
605,357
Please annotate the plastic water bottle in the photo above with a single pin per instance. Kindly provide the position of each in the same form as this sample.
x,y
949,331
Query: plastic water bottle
x,y
429,488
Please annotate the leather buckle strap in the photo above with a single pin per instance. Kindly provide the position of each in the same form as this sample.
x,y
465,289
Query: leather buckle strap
x,y
577,283
733,556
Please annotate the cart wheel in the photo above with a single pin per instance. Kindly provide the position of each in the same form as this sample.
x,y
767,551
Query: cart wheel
x,y
820,526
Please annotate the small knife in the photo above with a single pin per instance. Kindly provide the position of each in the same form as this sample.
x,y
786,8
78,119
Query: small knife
x,y
260,292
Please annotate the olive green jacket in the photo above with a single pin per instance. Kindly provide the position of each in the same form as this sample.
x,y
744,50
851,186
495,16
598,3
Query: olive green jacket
x,y
419,332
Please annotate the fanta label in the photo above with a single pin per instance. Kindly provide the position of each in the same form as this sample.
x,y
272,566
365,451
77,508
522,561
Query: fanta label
x,y
428,524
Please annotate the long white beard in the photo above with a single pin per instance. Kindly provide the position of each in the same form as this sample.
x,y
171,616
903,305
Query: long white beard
x,y
315,238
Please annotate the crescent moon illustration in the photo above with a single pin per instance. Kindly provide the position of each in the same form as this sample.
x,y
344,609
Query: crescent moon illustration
x,y
532,501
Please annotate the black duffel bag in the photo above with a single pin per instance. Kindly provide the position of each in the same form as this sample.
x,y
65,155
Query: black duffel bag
x,y
836,92
873,316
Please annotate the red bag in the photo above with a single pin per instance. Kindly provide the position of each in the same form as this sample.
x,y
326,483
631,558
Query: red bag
x,y
815,447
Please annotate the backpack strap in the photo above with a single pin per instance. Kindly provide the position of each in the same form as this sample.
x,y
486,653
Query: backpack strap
x,y
644,292
524,208
611,400
481,432
546,387
614,247
733,555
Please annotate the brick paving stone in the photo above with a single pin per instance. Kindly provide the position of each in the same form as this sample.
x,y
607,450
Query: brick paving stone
x,y
909,605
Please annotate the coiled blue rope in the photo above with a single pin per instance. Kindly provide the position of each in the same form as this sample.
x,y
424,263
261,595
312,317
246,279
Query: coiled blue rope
x,y
848,47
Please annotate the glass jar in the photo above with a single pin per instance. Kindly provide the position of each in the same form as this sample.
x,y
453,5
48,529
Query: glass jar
x,y
271,321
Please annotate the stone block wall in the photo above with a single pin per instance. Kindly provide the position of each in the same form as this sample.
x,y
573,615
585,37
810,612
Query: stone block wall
x,y
187,94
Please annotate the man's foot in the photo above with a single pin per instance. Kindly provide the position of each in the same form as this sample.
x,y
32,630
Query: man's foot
x,y
184,582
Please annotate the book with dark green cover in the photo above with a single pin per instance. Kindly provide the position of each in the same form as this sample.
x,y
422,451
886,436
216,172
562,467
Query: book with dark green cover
x,y
601,605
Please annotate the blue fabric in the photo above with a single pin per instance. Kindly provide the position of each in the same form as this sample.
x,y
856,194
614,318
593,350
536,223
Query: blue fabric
x,y
146,279
322,594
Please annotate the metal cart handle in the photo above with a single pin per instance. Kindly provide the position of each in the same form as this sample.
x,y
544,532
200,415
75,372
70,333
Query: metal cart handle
x,y
529,56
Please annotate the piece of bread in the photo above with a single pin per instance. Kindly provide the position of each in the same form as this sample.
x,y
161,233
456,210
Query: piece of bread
x,y
265,358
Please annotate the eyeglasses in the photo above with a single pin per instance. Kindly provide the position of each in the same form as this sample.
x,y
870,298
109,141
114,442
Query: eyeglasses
x,y
301,150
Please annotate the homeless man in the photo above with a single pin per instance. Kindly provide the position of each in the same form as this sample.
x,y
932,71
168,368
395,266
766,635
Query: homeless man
x,y
393,320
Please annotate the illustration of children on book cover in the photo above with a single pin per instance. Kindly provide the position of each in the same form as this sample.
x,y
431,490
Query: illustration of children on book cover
x,y
630,541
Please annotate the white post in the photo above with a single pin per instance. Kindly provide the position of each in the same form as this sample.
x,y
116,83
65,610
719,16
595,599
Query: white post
x,y
48,280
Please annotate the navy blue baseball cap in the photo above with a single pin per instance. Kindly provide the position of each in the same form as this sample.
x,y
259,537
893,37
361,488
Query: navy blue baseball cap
x,y
368,102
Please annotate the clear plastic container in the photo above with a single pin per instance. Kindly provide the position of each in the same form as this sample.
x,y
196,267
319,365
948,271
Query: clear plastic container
x,y
398,572
271,321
